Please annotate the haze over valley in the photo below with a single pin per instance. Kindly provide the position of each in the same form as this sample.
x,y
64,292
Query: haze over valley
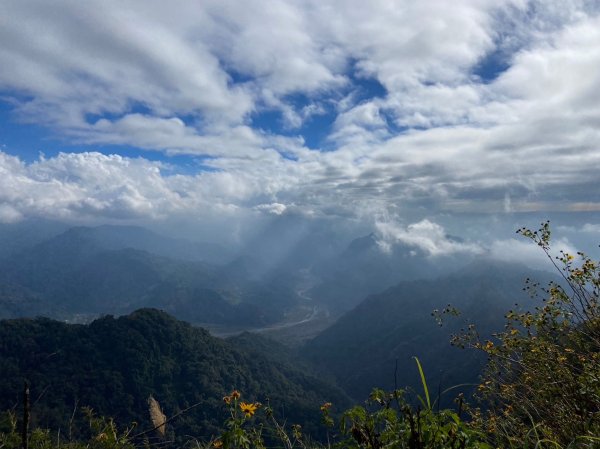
x,y
227,224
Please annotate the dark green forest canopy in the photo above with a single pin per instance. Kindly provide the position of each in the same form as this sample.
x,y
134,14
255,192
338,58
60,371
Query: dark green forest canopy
x,y
114,365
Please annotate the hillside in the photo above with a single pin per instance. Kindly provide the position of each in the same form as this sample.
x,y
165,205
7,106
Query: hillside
x,y
363,346
113,365
363,268
85,272
23,235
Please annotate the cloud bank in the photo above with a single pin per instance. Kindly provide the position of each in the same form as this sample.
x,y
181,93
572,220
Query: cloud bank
x,y
345,109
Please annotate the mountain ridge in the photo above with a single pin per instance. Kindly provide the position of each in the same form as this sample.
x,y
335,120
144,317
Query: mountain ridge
x,y
78,273
114,364
362,348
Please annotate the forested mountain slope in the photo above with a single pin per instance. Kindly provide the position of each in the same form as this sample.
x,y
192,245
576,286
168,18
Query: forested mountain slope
x,y
114,365
364,345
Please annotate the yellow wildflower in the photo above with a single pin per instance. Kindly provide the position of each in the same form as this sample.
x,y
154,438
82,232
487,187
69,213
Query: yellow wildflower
x,y
235,394
248,409
217,444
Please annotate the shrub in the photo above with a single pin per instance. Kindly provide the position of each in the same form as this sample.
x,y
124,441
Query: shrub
x,y
541,386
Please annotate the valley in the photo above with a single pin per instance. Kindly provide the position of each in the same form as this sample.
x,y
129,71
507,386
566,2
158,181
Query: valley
x,y
355,310
105,317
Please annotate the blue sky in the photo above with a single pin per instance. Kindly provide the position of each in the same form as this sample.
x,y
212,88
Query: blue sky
x,y
220,111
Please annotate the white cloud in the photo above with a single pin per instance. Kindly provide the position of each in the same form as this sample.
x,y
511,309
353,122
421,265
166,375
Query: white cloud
x,y
523,251
425,235
273,208
8,214
591,227
85,185
93,185
102,57
186,78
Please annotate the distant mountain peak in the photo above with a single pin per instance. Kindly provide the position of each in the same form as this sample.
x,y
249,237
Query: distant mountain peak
x,y
364,243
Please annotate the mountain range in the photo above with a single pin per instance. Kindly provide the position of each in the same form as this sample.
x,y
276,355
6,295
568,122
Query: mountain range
x,y
358,314
85,272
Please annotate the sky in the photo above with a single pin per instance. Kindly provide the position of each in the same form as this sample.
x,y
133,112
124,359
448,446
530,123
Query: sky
x,y
427,117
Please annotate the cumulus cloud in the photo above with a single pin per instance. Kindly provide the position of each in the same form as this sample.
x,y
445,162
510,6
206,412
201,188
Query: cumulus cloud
x,y
429,237
88,185
85,184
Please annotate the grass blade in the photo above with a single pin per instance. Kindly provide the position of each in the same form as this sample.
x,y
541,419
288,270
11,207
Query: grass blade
x,y
424,382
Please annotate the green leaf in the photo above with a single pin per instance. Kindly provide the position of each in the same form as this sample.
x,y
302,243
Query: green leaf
x,y
424,382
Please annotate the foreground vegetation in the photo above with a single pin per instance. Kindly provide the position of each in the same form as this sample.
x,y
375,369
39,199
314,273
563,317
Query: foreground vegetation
x,y
542,381
540,389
